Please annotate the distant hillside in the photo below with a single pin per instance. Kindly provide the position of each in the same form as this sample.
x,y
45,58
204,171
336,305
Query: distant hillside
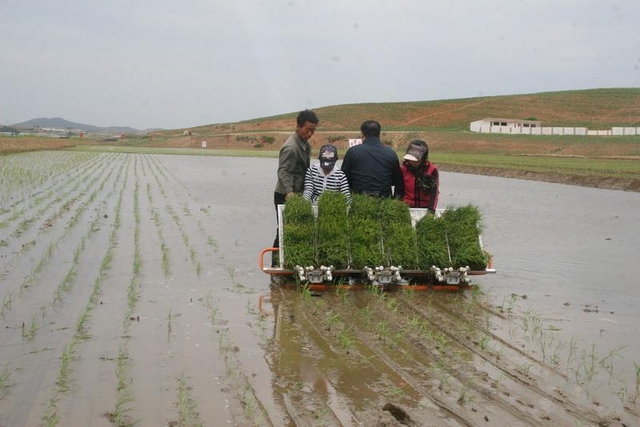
x,y
593,108
60,123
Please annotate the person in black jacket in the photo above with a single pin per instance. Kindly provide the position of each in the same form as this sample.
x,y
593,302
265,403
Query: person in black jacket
x,y
372,168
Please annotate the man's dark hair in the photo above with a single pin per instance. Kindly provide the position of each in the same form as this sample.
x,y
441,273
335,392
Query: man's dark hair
x,y
306,116
370,128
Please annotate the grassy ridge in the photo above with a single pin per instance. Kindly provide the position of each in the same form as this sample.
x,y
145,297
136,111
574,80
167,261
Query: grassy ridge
x,y
593,108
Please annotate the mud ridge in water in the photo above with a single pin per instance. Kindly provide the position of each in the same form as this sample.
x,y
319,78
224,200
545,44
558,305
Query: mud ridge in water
x,y
610,183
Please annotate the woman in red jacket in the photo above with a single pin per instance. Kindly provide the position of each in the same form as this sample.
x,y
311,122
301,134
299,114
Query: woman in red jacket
x,y
421,182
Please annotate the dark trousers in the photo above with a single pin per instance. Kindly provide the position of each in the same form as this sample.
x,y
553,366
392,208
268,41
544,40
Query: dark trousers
x,y
278,199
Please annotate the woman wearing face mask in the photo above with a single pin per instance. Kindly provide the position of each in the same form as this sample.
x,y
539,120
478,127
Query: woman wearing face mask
x,y
323,176
421,182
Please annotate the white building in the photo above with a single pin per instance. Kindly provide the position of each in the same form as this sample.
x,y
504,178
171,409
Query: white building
x,y
534,127
496,125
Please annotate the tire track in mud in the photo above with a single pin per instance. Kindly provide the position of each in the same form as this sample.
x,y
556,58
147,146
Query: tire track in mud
x,y
534,375
437,367
488,377
325,353
393,367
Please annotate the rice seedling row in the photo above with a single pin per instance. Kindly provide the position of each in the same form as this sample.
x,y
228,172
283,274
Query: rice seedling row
x,y
234,371
52,244
54,412
50,190
22,174
540,351
16,248
177,315
51,340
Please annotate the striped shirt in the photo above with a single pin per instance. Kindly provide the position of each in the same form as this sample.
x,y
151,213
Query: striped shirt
x,y
315,182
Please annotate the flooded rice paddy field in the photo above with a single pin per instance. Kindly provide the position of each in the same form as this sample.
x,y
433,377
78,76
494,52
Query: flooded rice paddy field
x,y
131,295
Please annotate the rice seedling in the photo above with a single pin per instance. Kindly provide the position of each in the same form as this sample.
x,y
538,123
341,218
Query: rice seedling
x,y
398,235
414,321
396,391
342,292
607,362
331,320
333,238
170,322
622,393
321,412
382,330
305,291
375,291
5,375
29,332
124,397
345,339
365,312
188,414
6,304
508,304
525,368
299,233
392,305
365,232
452,240
193,254
484,342
212,312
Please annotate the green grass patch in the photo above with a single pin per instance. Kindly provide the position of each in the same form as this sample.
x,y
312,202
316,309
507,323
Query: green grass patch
x,y
619,168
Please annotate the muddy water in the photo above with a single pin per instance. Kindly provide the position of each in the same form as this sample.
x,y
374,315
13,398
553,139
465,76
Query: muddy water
x,y
565,257
140,273
572,251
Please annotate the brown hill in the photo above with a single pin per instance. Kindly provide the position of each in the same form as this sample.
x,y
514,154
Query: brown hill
x,y
594,108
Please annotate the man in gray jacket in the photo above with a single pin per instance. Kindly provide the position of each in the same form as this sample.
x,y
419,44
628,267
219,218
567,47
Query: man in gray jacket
x,y
294,159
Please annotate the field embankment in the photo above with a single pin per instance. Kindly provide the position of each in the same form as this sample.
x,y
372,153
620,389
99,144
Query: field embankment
x,y
593,161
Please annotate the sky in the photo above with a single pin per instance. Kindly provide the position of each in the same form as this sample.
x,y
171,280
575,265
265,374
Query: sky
x,y
178,64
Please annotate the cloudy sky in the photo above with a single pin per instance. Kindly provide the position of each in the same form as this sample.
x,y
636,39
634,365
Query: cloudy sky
x,y
174,64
